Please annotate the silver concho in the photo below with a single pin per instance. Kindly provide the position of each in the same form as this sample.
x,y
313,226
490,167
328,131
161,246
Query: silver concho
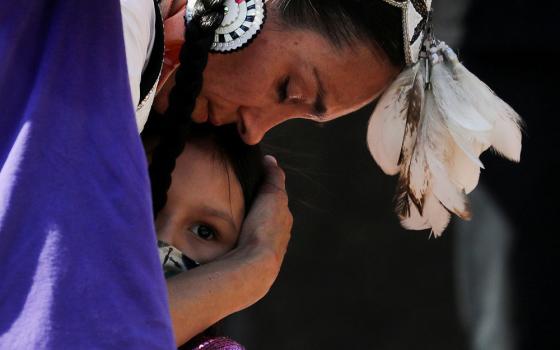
x,y
242,22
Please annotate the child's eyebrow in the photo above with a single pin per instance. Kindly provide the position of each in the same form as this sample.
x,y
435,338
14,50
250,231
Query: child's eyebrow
x,y
219,214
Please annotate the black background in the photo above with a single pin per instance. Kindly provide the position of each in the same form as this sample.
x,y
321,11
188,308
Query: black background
x,y
353,279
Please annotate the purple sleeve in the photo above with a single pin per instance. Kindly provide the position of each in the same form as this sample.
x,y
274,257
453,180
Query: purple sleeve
x,y
79,267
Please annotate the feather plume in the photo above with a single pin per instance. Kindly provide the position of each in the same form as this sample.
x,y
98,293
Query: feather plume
x,y
462,170
437,149
410,163
435,217
506,135
432,134
428,185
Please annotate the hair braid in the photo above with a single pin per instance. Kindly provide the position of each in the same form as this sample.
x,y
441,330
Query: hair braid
x,y
193,58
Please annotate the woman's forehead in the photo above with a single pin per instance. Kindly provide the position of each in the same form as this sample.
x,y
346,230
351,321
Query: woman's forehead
x,y
351,76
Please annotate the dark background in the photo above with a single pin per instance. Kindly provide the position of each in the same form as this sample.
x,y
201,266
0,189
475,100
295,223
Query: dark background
x,y
353,279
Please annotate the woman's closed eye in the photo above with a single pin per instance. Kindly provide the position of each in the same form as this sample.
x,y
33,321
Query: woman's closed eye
x,y
282,89
290,91
205,232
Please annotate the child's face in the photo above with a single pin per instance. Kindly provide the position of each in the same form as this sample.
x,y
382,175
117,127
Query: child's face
x,y
205,208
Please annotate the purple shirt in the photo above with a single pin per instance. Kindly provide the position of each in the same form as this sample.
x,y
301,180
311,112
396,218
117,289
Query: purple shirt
x,y
79,267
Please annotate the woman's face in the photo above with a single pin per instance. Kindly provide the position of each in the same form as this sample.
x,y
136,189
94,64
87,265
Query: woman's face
x,y
286,74
204,209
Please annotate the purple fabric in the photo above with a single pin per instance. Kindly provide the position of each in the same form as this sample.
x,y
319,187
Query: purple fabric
x,y
79,267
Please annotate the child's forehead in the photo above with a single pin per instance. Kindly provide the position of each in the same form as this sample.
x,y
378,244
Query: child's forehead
x,y
208,151
203,166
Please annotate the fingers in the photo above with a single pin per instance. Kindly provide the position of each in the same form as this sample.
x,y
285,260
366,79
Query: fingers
x,y
275,178
269,220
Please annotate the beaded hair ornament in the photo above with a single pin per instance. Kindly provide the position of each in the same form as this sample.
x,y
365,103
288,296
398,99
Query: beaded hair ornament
x,y
242,21
431,125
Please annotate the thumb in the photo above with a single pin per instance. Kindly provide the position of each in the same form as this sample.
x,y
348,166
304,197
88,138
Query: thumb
x,y
275,179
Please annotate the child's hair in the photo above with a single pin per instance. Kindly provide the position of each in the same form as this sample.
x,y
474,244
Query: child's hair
x,y
246,161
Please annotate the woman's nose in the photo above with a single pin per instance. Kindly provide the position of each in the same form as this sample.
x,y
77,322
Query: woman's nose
x,y
255,123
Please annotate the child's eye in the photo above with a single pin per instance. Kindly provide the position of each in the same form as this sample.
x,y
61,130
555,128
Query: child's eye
x,y
204,231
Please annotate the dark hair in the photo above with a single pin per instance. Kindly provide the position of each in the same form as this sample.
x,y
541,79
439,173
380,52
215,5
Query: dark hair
x,y
193,57
348,22
246,161
344,22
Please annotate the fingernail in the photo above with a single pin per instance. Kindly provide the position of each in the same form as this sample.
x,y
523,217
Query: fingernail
x,y
271,159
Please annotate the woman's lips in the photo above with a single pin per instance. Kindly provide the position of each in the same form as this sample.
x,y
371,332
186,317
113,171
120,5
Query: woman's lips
x,y
205,113
204,118
214,121
199,118
200,112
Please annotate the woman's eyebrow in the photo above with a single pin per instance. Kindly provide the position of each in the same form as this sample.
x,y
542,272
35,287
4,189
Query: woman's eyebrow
x,y
319,108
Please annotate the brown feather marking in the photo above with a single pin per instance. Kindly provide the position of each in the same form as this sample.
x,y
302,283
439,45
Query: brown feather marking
x,y
415,101
402,206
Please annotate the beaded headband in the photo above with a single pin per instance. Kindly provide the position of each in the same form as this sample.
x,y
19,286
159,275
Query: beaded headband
x,y
242,21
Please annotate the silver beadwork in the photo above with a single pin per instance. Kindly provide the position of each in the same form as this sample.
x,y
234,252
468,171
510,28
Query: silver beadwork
x,y
242,21
415,19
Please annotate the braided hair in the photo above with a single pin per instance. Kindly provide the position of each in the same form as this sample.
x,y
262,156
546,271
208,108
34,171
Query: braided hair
x,y
176,121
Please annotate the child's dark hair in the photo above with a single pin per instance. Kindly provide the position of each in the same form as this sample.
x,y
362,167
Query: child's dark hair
x,y
246,161
347,22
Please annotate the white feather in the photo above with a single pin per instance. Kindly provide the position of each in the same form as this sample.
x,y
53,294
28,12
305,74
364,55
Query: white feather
x,y
430,187
453,104
388,122
438,146
437,216
432,136
414,221
448,193
462,171
418,176
507,139
506,136
469,129
471,147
